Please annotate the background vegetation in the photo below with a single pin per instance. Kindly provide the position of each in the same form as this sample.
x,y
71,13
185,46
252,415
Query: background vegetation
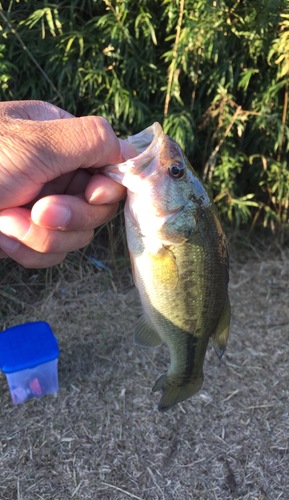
x,y
215,73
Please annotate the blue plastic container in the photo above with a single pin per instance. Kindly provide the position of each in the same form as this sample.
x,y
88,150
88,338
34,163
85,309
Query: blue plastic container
x,y
29,358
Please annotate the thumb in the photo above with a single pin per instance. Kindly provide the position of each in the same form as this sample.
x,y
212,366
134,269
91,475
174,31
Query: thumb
x,y
51,148
39,143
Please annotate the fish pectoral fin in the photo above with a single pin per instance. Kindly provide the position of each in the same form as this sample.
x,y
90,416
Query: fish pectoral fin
x,y
221,334
165,267
174,390
146,335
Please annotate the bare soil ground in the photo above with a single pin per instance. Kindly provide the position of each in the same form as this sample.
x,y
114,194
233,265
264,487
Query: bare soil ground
x,y
102,436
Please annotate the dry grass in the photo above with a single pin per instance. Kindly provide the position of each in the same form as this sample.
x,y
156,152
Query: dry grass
x,y
102,436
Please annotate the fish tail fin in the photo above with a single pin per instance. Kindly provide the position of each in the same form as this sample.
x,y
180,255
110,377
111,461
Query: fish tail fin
x,y
221,334
175,390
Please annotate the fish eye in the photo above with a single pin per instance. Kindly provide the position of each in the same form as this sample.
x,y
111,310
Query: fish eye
x,y
176,170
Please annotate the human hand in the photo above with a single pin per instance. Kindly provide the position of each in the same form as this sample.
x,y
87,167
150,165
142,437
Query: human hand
x,y
47,164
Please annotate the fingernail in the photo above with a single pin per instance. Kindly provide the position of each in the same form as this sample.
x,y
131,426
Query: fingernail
x,y
8,245
15,225
62,216
53,216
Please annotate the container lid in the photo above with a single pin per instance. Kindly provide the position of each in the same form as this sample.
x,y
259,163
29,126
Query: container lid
x,y
26,346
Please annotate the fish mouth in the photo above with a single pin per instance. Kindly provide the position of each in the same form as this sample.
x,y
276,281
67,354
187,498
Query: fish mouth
x,y
145,140
144,144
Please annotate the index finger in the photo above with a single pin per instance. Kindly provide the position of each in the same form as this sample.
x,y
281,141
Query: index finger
x,y
53,147
32,110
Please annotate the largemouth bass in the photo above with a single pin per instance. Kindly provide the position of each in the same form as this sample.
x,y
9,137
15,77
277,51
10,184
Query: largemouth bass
x,y
179,260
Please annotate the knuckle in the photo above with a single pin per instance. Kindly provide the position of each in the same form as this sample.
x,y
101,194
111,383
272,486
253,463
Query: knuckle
x,y
100,123
103,135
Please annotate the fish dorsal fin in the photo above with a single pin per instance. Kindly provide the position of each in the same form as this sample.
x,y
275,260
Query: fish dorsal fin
x,y
146,335
221,334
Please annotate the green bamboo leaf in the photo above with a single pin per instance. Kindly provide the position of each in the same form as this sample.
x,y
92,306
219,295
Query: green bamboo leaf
x,y
245,78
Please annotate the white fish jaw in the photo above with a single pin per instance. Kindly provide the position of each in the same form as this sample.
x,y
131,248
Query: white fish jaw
x,y
132,172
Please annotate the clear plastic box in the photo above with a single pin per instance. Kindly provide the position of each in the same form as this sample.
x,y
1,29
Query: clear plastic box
x,y
29,358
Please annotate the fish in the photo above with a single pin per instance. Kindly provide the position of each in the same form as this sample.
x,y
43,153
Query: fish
x,y
179,260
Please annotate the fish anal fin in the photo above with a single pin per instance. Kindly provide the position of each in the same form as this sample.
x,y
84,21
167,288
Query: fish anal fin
x,y
174,391
145,334
221,334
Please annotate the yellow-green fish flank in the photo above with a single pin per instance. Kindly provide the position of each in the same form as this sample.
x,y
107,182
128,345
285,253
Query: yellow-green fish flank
x,y
179,259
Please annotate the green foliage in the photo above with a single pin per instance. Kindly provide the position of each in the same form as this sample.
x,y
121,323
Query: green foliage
x,y
215,73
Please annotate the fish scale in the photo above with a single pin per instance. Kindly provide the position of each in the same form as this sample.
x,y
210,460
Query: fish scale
x,y
179,260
